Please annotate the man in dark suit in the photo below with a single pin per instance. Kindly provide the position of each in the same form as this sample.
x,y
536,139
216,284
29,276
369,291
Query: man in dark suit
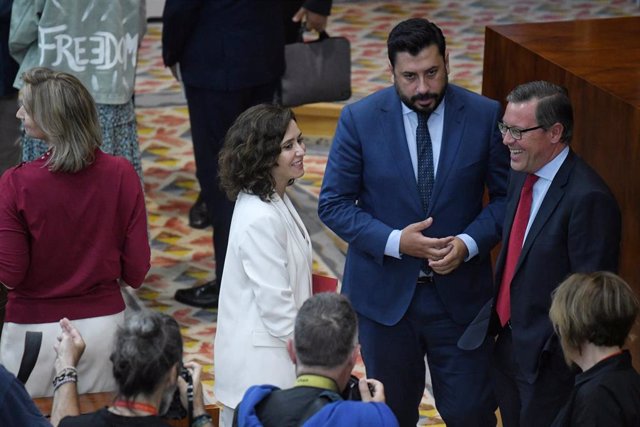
x,y
230,56
567,221
404,187
9,148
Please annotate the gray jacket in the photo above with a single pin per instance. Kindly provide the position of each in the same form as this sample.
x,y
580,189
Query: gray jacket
x,y
95,40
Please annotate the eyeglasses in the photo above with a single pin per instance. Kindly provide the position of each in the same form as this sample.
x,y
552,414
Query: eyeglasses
x,y
516,132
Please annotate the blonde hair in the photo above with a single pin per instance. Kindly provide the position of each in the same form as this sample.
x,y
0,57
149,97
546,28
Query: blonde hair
x,y
66,112
599,308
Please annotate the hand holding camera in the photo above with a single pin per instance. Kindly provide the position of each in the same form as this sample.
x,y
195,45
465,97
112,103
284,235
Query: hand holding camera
x,y
366,390
371,390
187,399
195,371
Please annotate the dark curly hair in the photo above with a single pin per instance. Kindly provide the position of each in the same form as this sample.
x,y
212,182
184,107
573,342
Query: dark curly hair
x,y
251,149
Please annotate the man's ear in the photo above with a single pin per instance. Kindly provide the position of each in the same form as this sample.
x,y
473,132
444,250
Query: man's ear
x,y
354,354
556,132
172,375
292,351
393,77
446,61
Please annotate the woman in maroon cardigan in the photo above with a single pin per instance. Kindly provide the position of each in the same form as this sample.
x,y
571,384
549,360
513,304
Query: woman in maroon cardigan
x,y
72,228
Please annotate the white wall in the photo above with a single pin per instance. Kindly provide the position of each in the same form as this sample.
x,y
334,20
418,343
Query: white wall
x,y
154,8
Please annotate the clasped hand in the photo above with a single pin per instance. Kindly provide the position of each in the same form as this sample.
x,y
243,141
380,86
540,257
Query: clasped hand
x,y
442,254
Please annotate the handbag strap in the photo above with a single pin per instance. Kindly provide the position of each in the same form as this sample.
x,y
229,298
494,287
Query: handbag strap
x,y
32,343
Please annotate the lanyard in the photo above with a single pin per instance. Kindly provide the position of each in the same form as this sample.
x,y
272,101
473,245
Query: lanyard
x,y
310,380
140,407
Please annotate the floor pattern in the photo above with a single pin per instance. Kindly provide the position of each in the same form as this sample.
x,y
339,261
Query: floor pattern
x,y
181,256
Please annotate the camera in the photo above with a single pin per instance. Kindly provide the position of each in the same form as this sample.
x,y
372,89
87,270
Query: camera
x,y
176,411
352,391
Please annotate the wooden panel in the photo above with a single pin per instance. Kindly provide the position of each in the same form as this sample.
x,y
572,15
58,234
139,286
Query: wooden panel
x,y
91,402
319,119
598,61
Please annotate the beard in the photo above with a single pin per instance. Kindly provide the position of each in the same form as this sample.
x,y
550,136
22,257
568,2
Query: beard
x,y
411,101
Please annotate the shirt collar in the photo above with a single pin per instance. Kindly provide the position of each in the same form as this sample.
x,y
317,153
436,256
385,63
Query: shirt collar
x,y
549,171
615,363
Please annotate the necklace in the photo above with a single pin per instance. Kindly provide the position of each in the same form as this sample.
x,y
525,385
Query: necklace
x,y
136,406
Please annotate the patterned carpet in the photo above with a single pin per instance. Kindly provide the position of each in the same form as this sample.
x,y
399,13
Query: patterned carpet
x,y
181,256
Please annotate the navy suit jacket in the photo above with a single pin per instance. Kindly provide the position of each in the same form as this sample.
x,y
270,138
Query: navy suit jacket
x,y
576,229
8,66
370,189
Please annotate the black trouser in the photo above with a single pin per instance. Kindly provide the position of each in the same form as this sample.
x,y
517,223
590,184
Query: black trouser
x,y
525,404
211,113
10,151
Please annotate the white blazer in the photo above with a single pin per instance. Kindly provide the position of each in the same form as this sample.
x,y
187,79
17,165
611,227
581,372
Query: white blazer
x,y
267,277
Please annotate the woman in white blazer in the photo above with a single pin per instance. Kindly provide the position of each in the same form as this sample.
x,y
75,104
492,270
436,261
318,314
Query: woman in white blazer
x,y
267,272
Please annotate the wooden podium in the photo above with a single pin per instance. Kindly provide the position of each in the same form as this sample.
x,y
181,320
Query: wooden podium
x,y
598,61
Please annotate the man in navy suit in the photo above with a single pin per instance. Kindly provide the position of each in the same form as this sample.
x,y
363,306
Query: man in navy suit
x,y
230,56
572,225
9,149
418,266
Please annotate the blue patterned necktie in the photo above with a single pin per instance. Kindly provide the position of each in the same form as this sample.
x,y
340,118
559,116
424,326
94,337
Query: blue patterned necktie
x,y
425,161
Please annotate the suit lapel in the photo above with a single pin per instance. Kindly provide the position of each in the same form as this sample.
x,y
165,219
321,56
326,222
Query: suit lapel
x,y
292,220
392,124
453,124
548,206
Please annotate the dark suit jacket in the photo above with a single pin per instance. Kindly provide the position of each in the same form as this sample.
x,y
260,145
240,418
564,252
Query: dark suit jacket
x,y
8,67
577,229
370,189
227,45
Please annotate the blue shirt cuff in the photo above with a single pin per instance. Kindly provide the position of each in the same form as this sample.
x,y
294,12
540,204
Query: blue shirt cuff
x,y
472,247
393,244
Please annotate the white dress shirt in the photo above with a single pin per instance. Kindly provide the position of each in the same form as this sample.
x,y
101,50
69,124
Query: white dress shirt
x,y
436,126
545,176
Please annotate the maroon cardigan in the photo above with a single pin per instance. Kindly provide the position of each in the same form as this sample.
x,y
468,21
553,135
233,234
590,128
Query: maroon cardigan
x,y
66,239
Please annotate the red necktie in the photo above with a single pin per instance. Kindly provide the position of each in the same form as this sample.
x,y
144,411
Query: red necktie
x,y
516,238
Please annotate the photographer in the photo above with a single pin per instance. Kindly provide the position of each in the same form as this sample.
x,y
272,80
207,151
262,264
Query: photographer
x,y
324,350
146,361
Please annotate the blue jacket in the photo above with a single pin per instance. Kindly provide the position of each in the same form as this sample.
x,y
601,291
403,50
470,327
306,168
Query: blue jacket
x,y
339,413
16,407
369,189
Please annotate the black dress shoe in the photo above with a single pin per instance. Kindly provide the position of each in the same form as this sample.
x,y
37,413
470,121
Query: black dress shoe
x,y
199,215
205,296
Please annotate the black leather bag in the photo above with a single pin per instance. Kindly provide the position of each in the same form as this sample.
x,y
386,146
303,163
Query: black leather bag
x,y
316,71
